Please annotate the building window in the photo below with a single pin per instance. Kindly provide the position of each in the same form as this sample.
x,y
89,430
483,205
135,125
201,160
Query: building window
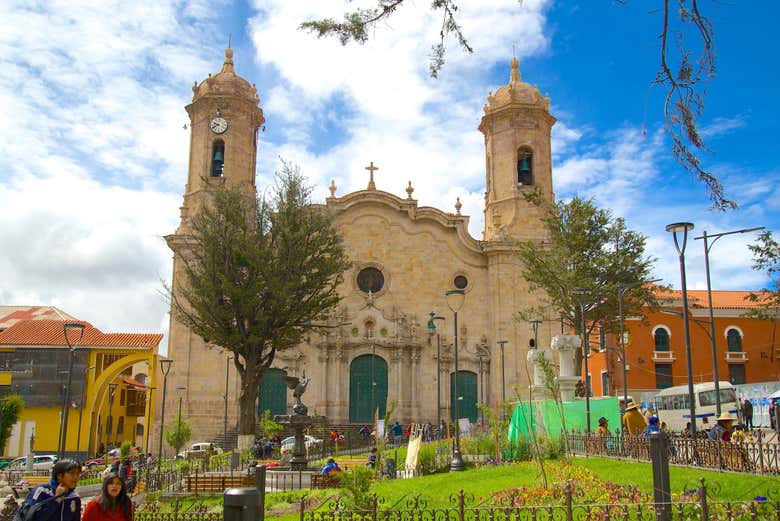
x,y
525,167
604,383
663,375
661,339
218,159
602,338
120,425
370,279
736,374
460,282
734,340
122,397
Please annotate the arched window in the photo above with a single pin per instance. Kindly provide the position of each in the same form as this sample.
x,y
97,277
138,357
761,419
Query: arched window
x,y
218,159
120,425
661,339
525,167
734,340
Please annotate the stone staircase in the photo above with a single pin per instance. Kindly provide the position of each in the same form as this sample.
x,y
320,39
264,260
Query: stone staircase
x,y
226,441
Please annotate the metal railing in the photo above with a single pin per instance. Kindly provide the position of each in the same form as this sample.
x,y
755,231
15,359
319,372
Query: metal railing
x,y
758,457
466,507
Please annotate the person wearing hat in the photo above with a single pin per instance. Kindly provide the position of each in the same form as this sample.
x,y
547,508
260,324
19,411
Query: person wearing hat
x,y
722,429
633,421
330,467
652,426
603,428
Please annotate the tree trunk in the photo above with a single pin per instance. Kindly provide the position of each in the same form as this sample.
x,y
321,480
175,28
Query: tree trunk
x,y
247,404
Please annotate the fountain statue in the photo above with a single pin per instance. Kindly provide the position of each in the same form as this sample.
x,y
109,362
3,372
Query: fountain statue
x,y
298,420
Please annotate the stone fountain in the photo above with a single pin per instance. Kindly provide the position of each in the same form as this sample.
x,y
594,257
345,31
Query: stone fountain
x,y
298,420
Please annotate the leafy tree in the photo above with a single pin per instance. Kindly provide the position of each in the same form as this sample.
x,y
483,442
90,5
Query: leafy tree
x,y
125,449
255,273
267,426
178,433
11,407
587,249
766,258
681,72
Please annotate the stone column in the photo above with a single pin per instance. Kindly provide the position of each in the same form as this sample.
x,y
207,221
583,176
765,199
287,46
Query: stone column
x,y
566,345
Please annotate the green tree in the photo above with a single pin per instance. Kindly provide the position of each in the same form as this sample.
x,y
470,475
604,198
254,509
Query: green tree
x,y
766,258
11,408
255,273
683,69
586,248
267,426
178,433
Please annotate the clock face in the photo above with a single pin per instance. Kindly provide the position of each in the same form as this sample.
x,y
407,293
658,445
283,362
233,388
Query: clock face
x,y
218,125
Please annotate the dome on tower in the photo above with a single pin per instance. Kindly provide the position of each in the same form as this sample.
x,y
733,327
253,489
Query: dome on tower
x,y
516,92
225,83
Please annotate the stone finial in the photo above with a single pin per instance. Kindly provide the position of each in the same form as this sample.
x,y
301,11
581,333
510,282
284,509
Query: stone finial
x,y
514,75
458,206
409,190
228,65
332,188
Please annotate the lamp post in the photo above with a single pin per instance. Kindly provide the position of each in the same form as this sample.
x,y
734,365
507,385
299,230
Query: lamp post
x,y
707,246
431,330
581,292
227,384
148,416
684,228
79,330
165,368
622,288
111,393
501,344
180,389
455,298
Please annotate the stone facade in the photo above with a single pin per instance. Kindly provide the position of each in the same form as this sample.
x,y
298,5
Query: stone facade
x,y
420,252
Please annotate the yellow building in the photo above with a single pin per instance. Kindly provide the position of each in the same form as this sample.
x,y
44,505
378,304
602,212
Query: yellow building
x,y
109,382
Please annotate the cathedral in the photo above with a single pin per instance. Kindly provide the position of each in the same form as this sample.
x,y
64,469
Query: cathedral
x,y
419,286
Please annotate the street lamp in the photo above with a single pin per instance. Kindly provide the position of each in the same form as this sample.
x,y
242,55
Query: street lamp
x,y
622,288
684,228
581,292
431,330
180,389
111,393
79,330
165,368
455,299
227,383
148,417
707,246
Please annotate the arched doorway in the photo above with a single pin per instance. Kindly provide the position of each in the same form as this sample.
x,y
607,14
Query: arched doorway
x,y
467,390
273,392
364,397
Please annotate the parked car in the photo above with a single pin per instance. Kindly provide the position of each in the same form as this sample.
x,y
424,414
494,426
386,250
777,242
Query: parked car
x,y
198,449
310,442
112,456
41,462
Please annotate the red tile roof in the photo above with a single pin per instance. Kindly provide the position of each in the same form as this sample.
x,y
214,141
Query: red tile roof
x,y
50,333
721,299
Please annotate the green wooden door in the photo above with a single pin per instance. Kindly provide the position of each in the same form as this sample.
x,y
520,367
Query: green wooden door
x,y
467,389
273,392
362,401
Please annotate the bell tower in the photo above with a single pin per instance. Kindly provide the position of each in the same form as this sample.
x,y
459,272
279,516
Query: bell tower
x,y
516,125
224,122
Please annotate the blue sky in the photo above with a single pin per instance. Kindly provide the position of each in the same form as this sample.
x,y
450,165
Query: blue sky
x,y
93,96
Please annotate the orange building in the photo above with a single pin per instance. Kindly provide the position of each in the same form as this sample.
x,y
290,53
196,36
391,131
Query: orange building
x,y
748,349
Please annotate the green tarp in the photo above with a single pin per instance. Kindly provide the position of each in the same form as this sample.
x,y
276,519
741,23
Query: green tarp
x,y
544,417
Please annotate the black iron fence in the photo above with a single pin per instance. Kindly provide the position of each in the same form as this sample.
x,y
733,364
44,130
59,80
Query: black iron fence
x,y
178,511
465,507
759,457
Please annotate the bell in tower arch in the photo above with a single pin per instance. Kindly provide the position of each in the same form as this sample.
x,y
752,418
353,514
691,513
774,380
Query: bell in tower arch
x,y
218,159
524,176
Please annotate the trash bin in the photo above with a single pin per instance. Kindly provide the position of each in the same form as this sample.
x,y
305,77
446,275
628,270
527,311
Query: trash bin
x,y
234,460
241,504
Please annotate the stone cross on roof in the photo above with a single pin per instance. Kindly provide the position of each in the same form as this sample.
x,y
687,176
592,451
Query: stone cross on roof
x,y
371,168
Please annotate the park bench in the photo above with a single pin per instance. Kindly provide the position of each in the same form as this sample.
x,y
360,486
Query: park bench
x,y
215,483
353,463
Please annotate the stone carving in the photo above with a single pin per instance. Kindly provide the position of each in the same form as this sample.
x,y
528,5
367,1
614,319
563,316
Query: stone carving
x,y
298,386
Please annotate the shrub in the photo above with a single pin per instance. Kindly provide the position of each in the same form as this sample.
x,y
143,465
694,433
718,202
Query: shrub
x,y
429,460
551,448
519,450
357,482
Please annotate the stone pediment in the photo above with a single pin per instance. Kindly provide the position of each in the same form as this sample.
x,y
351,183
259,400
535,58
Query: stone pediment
x,y
406,207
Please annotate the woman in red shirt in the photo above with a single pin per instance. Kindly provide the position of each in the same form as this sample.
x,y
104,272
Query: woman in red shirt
x,y
113,503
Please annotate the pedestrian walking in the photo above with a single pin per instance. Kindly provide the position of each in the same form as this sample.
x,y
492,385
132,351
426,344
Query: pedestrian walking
x,y
747,414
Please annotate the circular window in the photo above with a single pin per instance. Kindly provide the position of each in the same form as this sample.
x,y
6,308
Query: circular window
x,y
370,279
460,282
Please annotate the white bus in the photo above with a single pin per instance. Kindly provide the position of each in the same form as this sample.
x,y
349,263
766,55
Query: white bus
x,y
673,408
